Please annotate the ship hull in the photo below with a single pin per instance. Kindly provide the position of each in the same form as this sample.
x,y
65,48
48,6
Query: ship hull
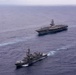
x,y
51,31
19,65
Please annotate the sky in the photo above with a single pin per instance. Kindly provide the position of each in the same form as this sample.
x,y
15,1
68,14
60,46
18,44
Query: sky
x,y
37,2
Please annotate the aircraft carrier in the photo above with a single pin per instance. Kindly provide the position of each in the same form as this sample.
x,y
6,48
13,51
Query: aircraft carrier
x,y
52,28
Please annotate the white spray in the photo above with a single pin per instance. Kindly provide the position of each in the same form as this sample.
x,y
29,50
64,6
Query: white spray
x,y
51,53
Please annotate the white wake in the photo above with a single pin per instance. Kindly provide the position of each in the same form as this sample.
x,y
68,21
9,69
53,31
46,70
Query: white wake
x,y
51,53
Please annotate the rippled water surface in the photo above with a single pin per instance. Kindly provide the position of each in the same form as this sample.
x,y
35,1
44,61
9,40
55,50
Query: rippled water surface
x,y
17,34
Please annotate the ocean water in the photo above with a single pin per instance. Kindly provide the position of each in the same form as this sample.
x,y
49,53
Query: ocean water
x,y
17,34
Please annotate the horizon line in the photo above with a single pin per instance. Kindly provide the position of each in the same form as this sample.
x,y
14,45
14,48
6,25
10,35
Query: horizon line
x,y
37,5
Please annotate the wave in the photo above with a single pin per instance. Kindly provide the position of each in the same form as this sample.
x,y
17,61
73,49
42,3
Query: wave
x,y
16,41
51,53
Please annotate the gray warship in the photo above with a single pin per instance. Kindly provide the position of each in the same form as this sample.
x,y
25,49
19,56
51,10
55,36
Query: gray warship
x,y
52,28
30,59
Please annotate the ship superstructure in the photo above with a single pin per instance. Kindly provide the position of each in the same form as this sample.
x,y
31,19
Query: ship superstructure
x,y
52,28
30,58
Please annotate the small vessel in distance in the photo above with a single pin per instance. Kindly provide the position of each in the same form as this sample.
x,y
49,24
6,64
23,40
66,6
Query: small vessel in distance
x,y
30,59
52,28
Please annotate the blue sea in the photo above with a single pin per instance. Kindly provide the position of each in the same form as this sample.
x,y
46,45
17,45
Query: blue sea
x,y
18,25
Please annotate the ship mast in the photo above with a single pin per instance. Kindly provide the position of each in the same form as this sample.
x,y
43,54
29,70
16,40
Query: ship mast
x,y
52,23
28,53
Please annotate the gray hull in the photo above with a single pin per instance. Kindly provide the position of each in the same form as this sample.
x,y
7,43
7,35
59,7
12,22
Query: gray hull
x,y
54,29
23,64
